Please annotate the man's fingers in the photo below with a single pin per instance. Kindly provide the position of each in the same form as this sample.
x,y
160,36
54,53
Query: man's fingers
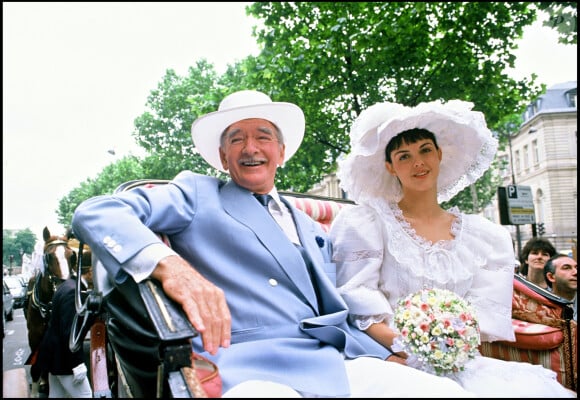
x,y
204,303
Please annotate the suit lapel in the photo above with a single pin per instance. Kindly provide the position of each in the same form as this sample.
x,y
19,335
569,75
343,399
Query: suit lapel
x,y
330,297
241,205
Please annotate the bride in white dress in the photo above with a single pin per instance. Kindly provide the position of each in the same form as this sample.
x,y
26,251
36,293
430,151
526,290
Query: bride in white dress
x,y
398,239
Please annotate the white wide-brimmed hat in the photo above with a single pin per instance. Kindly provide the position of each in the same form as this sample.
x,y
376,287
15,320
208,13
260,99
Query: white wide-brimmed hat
x,y
245,104
467,144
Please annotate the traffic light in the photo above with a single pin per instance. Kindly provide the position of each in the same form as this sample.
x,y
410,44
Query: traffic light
x,y
541,228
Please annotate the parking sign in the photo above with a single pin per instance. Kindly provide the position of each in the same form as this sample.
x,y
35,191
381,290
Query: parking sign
x,y
520,205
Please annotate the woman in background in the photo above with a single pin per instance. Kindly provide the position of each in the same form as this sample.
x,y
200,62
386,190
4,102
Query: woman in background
x,y
534,255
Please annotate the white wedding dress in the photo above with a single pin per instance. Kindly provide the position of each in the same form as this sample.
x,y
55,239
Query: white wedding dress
x,y
381,259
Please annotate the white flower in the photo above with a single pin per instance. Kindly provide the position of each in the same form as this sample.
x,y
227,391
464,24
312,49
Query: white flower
x,y
439,328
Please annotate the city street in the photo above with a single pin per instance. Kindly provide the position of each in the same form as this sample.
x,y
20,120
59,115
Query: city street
x,y
15,351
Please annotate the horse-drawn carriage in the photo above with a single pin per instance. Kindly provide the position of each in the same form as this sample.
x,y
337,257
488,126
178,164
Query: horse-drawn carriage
x,y
140,340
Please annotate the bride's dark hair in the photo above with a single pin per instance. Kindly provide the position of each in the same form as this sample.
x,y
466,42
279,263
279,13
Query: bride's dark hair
x,y
409,136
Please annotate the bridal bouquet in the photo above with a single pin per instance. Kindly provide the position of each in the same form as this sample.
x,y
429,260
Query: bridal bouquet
x,y
438,330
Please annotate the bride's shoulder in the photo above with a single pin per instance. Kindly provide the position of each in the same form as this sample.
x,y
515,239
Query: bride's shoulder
x,y
485,228
356,214
358,210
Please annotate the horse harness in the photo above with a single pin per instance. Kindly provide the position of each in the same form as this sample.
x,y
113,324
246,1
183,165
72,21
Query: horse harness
x,y
45,308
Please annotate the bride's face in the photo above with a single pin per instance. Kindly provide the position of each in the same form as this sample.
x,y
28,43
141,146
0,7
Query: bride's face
x,y
416,165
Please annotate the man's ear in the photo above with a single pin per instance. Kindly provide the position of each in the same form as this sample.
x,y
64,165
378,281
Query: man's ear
x,y
550,277
282,155
223,159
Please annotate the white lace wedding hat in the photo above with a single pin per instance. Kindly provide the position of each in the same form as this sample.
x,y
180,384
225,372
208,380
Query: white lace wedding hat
x,y
245,104
467,144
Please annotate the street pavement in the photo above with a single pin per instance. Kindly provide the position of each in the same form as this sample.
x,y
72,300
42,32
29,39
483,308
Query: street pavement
x,y
15,351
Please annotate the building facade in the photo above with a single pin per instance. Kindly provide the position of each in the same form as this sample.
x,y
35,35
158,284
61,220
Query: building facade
x,y
544,157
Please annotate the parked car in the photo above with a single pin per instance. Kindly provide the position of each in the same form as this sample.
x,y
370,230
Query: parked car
x,y
8,302
17,289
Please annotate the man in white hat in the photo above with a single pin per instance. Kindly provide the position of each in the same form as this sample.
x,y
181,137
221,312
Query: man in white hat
x,y
255,280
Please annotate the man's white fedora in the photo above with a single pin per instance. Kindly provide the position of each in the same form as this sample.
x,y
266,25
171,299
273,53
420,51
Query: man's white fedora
x,y
245,104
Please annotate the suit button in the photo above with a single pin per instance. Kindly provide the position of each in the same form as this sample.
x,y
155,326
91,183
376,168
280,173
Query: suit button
x,y
273,282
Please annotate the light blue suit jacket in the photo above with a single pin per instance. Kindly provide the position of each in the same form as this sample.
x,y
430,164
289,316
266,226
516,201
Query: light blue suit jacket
x,y
279,332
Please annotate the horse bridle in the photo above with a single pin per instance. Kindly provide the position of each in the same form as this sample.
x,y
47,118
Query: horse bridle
x,y
55,281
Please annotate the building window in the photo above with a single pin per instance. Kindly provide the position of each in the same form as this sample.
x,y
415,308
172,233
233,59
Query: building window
x,y
535,152
539,207
528,114
526,159
518,165
537,105
571,98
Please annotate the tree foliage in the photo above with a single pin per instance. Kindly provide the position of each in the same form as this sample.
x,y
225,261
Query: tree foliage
x,y
334,60
563,18
17,243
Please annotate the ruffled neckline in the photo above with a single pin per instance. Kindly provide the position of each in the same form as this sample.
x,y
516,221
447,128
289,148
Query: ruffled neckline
x,y
456,227
448,263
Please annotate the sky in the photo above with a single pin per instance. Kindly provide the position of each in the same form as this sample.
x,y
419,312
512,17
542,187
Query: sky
x,y
76,75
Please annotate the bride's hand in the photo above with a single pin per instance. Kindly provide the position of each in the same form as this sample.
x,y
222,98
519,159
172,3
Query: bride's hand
x,y
397,359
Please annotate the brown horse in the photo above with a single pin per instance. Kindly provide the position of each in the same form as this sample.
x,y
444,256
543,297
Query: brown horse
x,y
58,262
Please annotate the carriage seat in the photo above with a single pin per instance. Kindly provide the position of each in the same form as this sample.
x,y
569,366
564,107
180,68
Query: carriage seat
x,y
545,333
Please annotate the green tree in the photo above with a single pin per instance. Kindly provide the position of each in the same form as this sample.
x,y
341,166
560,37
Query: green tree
x,y
163,131
127,168
15,244
563,18
334,60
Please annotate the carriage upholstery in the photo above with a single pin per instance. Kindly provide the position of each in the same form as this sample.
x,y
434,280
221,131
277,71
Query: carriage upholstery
x,y
544,332
321,209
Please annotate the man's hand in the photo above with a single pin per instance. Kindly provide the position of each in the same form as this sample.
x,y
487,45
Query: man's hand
x,y
203,302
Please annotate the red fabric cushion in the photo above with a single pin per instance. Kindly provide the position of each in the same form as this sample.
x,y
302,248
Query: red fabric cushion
x,y
322,211
535,336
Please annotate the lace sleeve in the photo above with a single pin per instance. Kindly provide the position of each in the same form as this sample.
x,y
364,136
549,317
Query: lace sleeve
x,y
362,322
358,250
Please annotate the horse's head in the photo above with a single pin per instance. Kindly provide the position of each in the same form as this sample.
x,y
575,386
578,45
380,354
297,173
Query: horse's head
x,y
58,258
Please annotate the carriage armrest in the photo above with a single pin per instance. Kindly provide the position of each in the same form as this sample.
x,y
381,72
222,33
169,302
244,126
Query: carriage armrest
x,y
168,317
